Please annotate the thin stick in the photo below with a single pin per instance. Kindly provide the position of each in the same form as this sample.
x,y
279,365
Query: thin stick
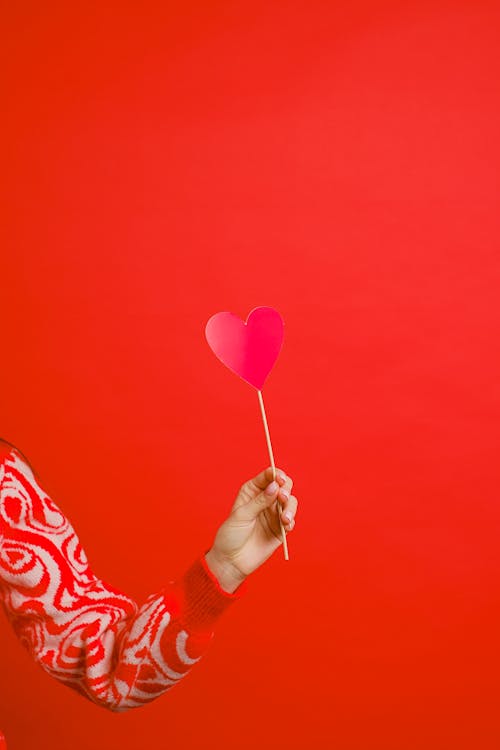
x,y
273,466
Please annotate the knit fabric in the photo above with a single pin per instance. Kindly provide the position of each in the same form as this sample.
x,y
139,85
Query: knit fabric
x,y
82,631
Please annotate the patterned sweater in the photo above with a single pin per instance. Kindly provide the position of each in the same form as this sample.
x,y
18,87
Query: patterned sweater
x,y
83,632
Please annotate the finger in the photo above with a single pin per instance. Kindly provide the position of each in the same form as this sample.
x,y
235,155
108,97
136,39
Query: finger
x,y
261,481
260,502
284,493
285,482
253,486
288,511
281,477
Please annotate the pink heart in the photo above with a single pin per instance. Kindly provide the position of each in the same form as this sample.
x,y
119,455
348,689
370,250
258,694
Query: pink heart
x,y
249,349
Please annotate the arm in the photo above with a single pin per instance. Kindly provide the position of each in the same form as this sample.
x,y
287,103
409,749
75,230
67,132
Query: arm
x,y
91,636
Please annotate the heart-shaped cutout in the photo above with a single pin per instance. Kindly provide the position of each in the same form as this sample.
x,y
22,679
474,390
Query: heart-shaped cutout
x,y
249,348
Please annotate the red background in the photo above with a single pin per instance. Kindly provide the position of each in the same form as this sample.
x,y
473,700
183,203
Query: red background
x,y
338,161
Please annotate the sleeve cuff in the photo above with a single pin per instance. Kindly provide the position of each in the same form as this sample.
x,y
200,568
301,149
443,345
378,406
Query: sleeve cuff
x,y
205,601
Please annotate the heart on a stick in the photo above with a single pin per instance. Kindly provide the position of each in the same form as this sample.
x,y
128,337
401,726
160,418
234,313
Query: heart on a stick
x,y
249,348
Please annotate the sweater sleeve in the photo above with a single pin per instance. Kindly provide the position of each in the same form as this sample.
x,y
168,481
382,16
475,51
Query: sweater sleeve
x,y
82,631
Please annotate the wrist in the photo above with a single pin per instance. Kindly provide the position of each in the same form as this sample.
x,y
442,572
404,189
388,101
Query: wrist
x,y
227,574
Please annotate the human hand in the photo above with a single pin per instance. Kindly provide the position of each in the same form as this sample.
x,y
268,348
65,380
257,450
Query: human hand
x,y
251,533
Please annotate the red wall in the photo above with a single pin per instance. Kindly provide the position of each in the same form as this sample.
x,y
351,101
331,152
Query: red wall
x,y
338,161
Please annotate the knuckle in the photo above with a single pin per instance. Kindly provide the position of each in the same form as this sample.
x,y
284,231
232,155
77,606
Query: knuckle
x,y
246,489
261,500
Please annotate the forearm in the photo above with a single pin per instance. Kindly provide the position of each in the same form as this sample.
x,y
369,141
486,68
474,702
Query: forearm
x,y
82,631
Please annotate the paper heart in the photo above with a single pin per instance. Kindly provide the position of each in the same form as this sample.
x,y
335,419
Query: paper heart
x,y
249,348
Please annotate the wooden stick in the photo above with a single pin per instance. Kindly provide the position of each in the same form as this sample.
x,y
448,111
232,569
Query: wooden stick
x,y
273,466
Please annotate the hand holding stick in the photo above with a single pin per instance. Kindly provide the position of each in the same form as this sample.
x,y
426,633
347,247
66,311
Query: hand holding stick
x,y
250,350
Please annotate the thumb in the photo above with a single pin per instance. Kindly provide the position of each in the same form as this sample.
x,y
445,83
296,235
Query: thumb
x,y
250,510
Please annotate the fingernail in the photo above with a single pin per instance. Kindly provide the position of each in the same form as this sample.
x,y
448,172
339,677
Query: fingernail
x,y
281,475
272,488
285,494
288,517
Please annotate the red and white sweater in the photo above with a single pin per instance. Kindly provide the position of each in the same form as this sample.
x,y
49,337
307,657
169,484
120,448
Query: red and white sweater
x,y
81,631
